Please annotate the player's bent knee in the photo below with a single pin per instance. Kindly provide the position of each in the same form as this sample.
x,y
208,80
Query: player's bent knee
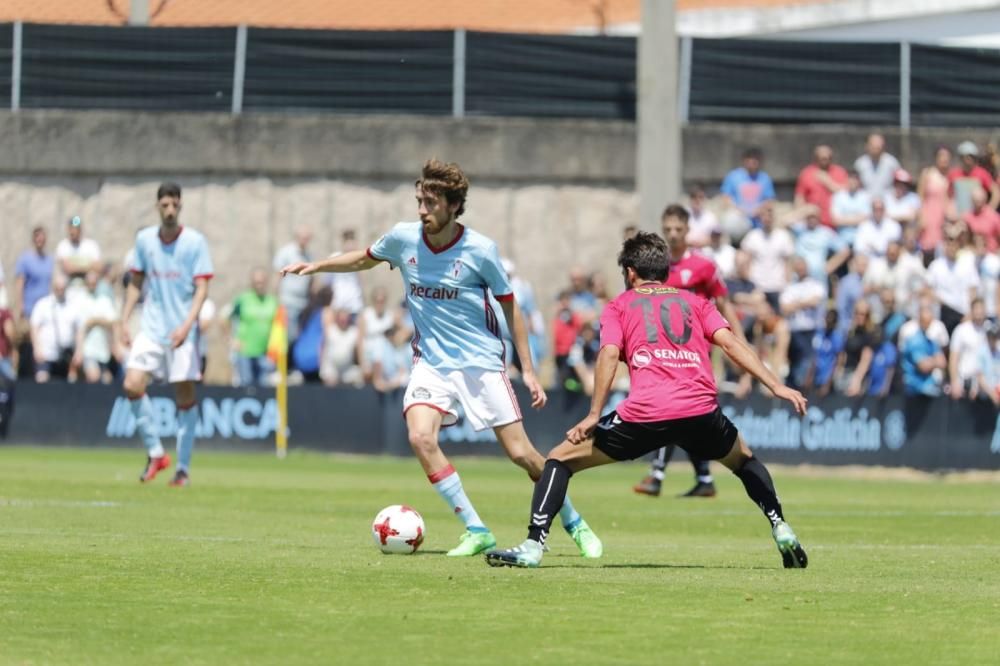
x,y
423,443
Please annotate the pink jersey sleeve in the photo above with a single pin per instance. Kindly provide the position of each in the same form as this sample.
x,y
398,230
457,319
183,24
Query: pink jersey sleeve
x,y
611,326
712,319
716,287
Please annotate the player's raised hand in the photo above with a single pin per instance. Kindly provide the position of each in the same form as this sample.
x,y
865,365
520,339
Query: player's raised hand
x,y
792,396
299,268
538,397
579,433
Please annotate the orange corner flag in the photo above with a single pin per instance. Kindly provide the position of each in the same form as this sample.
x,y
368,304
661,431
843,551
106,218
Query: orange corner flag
x,y
277,343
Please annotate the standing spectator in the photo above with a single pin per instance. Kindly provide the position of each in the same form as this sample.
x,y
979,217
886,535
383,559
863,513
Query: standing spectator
x,y
900,271
338,359
583,358
701,221
307,346
581,299
253,314
533,319
818,182
76,256
850,290
32,279
347,292
54,323
935,202
827,347
748,187
722,253
988,264
901,202
822,248
7,351
882,370
769,249
849,208
875,234
803,304
294,294
95,332
876,167
921,359
983,220
376,320
966,353
565,328
856,359
744,294
965,178
954,283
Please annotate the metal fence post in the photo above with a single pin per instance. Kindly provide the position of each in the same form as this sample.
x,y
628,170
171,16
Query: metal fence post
x,y
458,75
15,67
684,84
904,85
239,68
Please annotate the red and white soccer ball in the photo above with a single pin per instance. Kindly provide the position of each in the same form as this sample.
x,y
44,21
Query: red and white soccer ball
x,y
398,529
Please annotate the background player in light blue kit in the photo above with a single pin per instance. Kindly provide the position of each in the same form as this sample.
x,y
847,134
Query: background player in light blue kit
x,y
449,273
175,266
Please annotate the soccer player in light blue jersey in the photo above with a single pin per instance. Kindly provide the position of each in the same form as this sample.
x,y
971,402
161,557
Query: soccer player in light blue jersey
x,y
449,273
175,266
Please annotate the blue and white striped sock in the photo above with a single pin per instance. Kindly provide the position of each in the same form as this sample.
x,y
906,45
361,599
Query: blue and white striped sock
x,y
187,423
449,486
142,410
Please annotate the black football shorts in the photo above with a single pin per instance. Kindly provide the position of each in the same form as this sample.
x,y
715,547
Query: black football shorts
x,y
707,437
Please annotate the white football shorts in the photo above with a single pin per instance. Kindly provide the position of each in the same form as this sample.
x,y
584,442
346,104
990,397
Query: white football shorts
x,y
486,396
163,363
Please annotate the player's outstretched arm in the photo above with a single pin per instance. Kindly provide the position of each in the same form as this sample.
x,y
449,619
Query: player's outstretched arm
x,y
519,331
744,357
347,262
604,376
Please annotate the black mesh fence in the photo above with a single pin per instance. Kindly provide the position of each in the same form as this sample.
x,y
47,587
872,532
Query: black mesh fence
x,y
193,69
955,87
546,75
397,72
152,69
794,82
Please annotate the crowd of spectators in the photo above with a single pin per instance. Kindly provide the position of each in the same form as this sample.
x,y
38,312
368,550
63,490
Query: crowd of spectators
x,y
868,281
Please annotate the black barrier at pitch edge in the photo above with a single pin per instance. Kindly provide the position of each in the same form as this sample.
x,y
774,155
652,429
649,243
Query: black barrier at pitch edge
x,y
932,434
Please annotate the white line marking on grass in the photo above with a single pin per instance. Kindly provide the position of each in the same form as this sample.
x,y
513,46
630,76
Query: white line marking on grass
x,y
65,504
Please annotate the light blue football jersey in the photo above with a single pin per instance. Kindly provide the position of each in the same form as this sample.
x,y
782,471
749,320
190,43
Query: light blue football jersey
x,y
170,270
449,292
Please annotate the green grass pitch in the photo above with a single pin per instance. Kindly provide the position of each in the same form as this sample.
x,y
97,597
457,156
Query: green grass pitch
x,y
266,561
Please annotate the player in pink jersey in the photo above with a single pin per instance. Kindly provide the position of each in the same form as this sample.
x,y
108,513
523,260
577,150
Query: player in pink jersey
x,y
691,270
665,336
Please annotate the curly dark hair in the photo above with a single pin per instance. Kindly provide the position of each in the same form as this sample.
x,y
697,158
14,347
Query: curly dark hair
x,y
445,178
647,255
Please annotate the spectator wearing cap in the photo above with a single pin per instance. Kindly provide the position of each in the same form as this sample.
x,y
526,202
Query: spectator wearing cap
x,y
821,247
701,221
876,168
748,187
964,178
850,207
875,234
818,182
901,202
76,256
983,220
954,282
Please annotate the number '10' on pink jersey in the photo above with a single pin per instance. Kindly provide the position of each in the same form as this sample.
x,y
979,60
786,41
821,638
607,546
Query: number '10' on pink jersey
x,y
665,337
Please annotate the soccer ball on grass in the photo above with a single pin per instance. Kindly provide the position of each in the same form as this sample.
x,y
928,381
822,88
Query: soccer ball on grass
x,y
398,529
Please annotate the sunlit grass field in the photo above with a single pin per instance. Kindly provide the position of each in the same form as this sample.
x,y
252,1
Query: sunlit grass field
x,y
267,561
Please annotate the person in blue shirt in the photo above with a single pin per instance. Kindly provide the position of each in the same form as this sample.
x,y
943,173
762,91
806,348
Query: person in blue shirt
x,y
921,357
883,365
451,276
827,345
174,265
32,281
747,187
850,290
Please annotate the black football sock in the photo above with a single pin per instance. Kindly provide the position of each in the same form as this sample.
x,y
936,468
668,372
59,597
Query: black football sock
x,y
550,493
702,470
660,461
757,480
